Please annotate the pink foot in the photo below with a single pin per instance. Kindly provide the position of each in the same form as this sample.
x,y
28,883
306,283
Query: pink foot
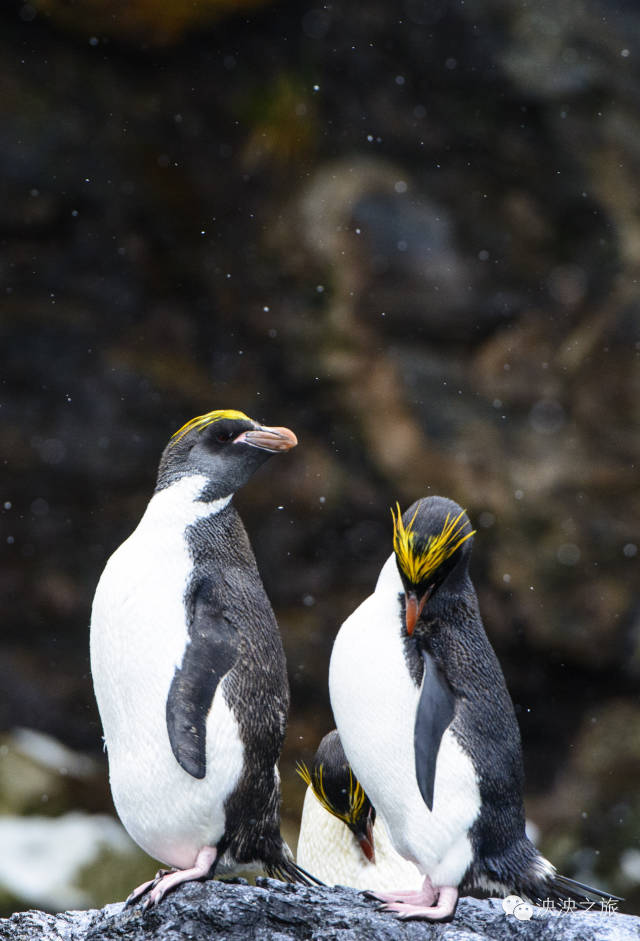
x,y
167,879
424,896
204,861
445,907
141,889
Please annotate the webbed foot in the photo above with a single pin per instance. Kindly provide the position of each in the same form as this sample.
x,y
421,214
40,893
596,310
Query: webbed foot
x,y
424,896
168,879
432,904
140,890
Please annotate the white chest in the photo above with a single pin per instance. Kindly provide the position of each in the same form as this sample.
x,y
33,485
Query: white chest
x,y
138,625
138,637
374,702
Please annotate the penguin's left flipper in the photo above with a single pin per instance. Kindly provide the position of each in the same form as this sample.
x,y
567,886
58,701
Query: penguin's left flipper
x,y
210,654
434,713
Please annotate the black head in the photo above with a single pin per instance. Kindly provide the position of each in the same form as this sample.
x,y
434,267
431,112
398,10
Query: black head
x,y
432,542
225,446
339,791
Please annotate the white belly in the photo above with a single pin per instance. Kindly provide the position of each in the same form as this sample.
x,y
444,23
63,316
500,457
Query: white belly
x,y
374,703
328,849
138,638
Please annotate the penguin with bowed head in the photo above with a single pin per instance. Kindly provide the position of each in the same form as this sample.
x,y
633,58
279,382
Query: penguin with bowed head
x,y
429,728
188,666
341,840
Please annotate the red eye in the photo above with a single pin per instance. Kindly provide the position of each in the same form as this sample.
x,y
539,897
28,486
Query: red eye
x,y
223,436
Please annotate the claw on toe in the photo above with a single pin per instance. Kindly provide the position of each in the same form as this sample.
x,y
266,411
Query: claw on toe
x,y
140,890
159,891
151,900
167,879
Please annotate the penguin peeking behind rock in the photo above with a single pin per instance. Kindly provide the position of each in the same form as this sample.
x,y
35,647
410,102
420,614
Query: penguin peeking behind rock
x,y
188,666
428,726
341,842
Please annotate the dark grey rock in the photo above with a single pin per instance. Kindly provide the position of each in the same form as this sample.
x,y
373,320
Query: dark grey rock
x,y
279,912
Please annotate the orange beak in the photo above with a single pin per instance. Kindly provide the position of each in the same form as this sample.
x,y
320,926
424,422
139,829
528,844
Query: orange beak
x,y
268,439
413,609
365,839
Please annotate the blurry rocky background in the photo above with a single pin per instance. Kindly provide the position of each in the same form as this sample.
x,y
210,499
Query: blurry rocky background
x,y
411,232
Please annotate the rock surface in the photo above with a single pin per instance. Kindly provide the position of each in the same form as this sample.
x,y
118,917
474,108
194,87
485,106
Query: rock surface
x,y
273,911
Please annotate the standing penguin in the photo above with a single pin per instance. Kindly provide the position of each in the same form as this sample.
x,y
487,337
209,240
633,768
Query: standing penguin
x,y
188,666
341,842
429,728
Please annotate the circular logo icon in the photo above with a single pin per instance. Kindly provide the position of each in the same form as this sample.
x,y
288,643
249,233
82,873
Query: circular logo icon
x,y
523,911
510,903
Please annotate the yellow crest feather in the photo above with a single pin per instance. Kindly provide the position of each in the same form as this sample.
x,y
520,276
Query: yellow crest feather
x,y
316,782
416,564
201,421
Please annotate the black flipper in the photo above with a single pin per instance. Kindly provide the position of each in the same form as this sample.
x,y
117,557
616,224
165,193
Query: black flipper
x,y
434,713
210,654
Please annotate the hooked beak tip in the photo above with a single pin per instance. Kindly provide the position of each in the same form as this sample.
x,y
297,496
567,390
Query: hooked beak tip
x,y
268,439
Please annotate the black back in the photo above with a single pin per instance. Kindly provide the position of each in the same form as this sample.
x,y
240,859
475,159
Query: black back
x,y
233,632
484,722
451,656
